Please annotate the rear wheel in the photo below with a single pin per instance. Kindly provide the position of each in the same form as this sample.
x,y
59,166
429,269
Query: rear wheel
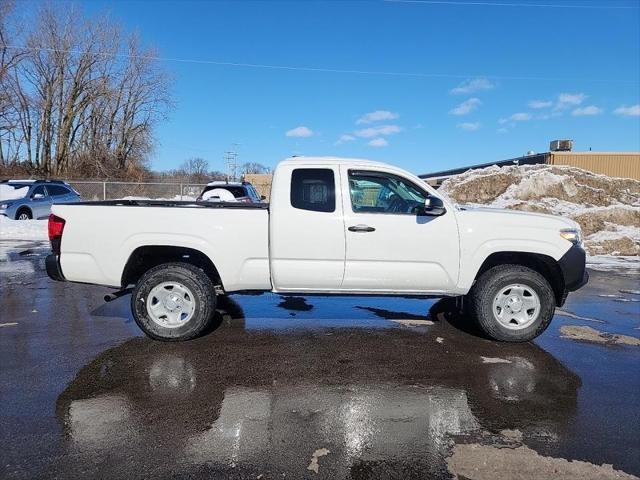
x,y
174,302
512,303
24,214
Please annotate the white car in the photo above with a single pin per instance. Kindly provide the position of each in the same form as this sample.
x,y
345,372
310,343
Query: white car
x,y
333,226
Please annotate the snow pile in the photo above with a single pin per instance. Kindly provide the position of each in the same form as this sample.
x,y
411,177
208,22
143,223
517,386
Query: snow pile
x,y
607,208
8,192
23,229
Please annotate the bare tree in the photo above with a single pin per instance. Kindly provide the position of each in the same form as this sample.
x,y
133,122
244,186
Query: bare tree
x,y
79,98
252,167
9,58
195,170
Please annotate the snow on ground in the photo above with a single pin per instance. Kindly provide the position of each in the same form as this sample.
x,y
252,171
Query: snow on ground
x,y
612,262
23,229
607,208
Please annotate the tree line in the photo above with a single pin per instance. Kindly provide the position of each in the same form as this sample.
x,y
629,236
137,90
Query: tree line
x,y
78,97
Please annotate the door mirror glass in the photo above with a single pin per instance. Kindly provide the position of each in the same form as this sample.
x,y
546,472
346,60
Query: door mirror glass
x,y
434,206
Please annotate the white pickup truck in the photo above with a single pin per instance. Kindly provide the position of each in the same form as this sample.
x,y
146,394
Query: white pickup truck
x,y
333,226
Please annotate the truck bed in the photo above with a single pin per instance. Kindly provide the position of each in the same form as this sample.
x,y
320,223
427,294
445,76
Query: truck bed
x,y
100,237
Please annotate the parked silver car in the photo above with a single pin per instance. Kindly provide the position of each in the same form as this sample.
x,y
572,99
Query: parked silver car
x,y
32,199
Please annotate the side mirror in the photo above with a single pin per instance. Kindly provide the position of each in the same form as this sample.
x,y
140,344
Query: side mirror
x,y
37,196
434,206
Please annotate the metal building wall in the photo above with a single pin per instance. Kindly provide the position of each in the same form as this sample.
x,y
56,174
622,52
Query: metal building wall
x,y
614,164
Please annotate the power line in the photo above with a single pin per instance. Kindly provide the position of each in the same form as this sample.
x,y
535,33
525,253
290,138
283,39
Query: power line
x,y
322,69
532,5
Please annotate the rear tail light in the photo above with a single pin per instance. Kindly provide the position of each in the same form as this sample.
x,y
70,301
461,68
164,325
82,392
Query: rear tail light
x,y
56,226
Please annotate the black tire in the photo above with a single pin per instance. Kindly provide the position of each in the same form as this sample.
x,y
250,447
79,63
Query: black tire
x,y
480,302
25,211
191,277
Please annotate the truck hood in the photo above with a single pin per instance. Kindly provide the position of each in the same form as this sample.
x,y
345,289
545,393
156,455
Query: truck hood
x,y
515,217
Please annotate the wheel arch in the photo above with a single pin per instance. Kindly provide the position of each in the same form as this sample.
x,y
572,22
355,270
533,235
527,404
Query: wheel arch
x,y
23,208
543,264
149,256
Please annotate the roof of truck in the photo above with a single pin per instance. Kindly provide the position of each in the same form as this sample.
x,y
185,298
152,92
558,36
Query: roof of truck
x,y
330,161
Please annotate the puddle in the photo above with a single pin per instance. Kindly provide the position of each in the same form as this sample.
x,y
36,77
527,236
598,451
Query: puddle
x,y
298,304
399,316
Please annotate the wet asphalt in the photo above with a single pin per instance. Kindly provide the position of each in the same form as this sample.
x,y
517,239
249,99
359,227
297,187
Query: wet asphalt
x,y
302,387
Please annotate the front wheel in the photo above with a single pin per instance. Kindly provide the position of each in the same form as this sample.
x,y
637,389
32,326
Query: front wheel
x,y
512,303
24,214
173,302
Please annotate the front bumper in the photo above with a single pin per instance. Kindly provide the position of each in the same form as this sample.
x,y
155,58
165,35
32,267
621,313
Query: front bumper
x,y
574,269
52,264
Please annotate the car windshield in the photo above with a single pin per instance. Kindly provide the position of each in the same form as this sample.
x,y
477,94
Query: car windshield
x,y
12,191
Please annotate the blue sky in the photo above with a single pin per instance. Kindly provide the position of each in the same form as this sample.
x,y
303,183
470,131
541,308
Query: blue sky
x,y
580,65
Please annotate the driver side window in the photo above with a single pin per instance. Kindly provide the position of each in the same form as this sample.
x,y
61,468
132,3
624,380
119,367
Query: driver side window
x,y
378,192
39,191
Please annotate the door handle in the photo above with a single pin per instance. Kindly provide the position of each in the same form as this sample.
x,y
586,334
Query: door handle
x,y
361,228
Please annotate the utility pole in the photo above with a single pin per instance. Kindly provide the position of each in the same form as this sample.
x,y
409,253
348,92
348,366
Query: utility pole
x,y
230,157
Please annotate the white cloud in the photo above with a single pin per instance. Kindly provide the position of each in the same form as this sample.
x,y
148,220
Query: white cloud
x,y
378,131
567,100
377,116
630,111
378,142
469,126
302,132
466,107
502,130
540,104
516,117
588,110
345,139
471,86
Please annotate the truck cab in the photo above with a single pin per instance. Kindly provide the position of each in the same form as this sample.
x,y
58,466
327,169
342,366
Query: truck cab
x,y
377,236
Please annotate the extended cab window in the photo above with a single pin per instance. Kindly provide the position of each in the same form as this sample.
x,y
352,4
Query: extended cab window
x,y
313,189
377,192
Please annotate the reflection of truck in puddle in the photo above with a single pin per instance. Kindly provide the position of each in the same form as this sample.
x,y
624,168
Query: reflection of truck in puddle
x,y
207,405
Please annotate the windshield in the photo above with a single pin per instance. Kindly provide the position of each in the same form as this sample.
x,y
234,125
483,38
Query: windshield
x,y
12,191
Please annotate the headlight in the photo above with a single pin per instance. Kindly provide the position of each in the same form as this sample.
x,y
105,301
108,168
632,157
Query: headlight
x,y
573,235
4,206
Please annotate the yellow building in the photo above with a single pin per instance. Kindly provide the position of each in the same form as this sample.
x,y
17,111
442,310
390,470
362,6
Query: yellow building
x,y
613,164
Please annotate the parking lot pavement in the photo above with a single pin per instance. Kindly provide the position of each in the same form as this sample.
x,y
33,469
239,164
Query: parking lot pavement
x,y
313,387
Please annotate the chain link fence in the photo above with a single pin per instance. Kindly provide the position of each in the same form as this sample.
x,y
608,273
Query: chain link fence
x,y
95,190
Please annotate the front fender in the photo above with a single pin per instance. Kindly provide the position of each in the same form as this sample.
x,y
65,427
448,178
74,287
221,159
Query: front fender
x,y
471,261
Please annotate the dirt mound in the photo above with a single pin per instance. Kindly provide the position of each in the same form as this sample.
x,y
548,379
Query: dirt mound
x,y
607,208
